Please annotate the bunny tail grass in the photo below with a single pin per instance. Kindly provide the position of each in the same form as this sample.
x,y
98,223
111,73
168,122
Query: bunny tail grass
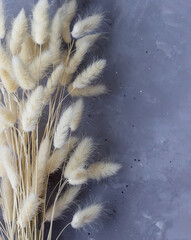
x,y
23,77
99,170
70,9
32,109
8,81
28,210
60,155
40,22
86,216
80,156
63,126
19,29
89,74
86,25
7,195
62,204
78,107
39,173
10,166
90,91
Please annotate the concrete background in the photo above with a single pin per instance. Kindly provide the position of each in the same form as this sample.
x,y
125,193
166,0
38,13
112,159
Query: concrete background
x,y
144,123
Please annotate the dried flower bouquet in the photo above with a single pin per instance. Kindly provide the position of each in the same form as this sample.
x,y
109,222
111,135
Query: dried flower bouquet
x,y
38,65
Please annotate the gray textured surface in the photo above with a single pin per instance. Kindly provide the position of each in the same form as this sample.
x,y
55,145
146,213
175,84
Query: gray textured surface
x,y
144,123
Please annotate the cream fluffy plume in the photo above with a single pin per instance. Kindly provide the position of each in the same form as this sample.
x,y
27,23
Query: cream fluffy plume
x,y
62,203
52,82
78,107
28,210
7,118
86,25
62,129
19,29
32,109
86,215
80,156
9,164
7,196
59,156
90,91
70,9
23,77
8,81
40,22
99,170
89,74
83,45
39,173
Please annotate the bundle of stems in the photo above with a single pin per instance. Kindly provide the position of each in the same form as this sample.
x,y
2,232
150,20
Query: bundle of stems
x,y
39,60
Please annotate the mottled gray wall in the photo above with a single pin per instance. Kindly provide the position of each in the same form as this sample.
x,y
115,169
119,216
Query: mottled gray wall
x,y
144,123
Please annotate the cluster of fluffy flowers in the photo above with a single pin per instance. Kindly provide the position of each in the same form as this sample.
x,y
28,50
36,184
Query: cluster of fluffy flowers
x,y
37,66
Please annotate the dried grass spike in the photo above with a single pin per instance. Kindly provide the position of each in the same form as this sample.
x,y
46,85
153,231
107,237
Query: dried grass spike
x,y
78,107
80,156
89,74
23,77
78,177
62,204
19,29
10,166
28,210
99,170
86,25
86,215
90,91
5,61
40,22
62,129
39,173
8,81
2,20
7,196
32,109
60,155
52,82
40,64
7,118
70,11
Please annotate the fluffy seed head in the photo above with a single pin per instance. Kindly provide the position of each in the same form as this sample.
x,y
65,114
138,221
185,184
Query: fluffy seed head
x,y
70,9
78,177
78,107
99,170
52,82
60,155
9,164
86,215
28,210
23,77
19,29
89,74
86,26
90,91
62,128
7,118
62,204
40,22
8,81
80,156
32,109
